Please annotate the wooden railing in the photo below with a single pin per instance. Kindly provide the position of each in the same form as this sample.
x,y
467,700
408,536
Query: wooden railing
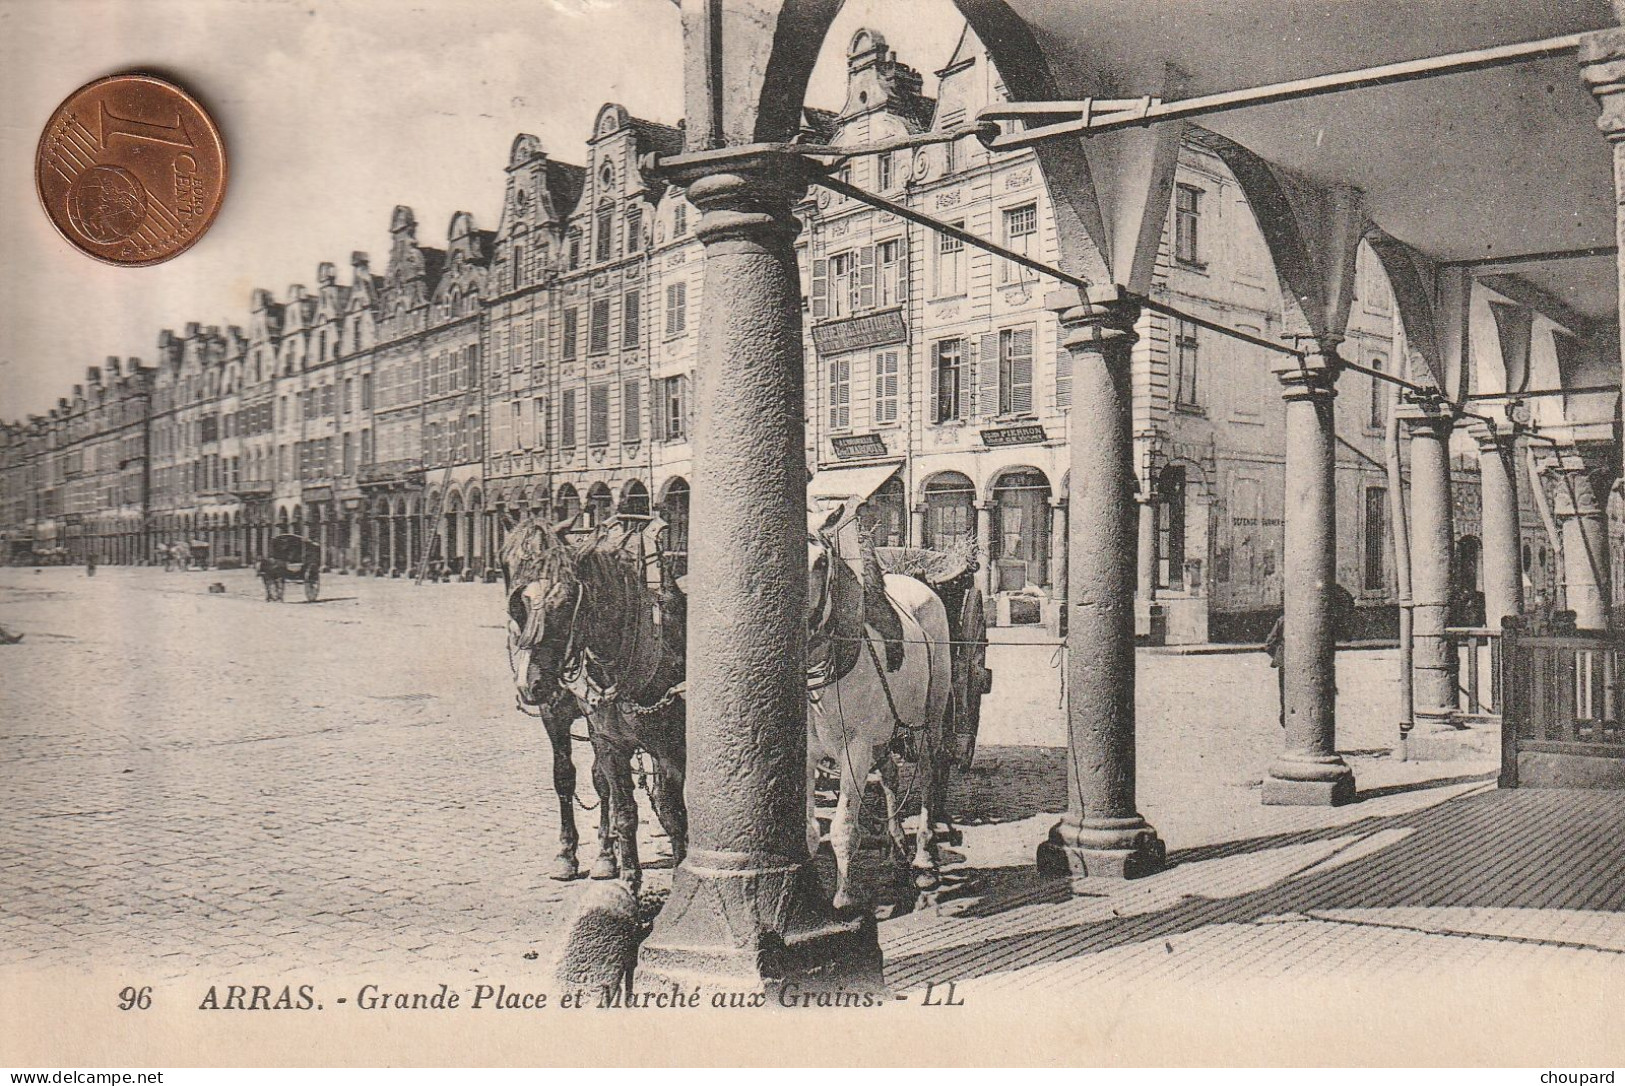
x,y
1564,690
1478,666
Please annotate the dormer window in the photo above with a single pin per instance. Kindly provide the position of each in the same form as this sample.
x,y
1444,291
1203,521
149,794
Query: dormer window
x,y
679,220
634,230
575,249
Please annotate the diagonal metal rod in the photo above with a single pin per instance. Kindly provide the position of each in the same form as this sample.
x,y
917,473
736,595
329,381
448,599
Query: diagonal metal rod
x,y
921,219
845,189
1547,257
1102,115
1579,391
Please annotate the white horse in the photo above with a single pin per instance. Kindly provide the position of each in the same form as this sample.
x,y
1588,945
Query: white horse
x,y
857,710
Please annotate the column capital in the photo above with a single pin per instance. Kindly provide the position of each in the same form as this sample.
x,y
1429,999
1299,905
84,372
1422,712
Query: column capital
x,y
1094,318
740,191
1493,437
1427,419
1313,377
1602,66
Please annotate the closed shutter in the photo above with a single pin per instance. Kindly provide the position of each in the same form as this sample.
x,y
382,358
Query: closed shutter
x,y
1063,379
685,389
598,415
630,329
502,426
902,269
866,277
987,377
598,337
631,411
657,412
1021,371
933,378
820,289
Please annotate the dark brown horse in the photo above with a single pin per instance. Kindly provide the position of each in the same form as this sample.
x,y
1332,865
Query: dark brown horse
x,y
588,636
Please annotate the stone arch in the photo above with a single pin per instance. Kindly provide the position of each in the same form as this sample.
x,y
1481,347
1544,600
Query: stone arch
x,y
634,499
601,503
1312,237
949,498
1019,500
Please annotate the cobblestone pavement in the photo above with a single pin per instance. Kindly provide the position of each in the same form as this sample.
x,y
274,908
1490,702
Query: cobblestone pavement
x,y
201,783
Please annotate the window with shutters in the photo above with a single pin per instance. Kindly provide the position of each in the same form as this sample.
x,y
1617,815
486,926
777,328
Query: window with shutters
x,y
674,407
567,420
950,264
885,175
676,308
1187,217
598,333
631,411
1063,380
1016,371
886,378
1183,379
349,394
679,219
843,284
598,415
630,319
574,249
543,423
890,273
567,349
604,233
471,377
517,265
948,360
839,396
476,437
349,454
950,157
1020,236
634,230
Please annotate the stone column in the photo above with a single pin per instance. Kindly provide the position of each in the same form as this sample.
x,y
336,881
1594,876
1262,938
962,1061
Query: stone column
x,y
1102,832
746,907
1433,541
1585,547
1502,537
1058,542
984,547
1602,65
1309,771
1149,620
917,539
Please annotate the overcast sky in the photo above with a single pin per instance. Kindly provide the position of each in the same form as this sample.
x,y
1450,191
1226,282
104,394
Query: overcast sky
x,y
333,112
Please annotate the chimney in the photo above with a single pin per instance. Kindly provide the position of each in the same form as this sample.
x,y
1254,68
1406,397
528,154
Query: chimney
x,y
93,376
112,366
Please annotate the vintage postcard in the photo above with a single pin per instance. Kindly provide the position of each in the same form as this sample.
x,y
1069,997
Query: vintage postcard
x,y
782,532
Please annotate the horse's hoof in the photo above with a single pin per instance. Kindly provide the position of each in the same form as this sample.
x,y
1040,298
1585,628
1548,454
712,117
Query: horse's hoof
x,y
605,868
565,869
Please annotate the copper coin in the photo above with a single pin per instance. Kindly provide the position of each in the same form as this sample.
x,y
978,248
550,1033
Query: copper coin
x,y
131,170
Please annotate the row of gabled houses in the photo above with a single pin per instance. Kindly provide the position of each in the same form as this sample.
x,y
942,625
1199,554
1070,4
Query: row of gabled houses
x,y
547,367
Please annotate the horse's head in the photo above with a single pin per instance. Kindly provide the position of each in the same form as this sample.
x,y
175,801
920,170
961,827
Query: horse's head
x,y
827,547
544,598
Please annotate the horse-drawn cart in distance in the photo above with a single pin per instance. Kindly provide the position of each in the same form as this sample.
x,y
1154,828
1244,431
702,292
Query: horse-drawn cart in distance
x,y
291,558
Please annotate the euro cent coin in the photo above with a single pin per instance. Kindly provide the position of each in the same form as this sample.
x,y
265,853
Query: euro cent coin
x,y
131,170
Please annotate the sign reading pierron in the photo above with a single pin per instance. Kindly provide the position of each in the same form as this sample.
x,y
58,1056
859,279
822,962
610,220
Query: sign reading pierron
x,y
1029,434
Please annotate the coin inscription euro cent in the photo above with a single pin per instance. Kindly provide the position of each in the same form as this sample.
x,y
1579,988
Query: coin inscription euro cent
x,y
131,170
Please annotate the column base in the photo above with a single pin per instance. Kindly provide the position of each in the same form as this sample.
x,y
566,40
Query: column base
x,y
1111,848
739,922
1311,781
